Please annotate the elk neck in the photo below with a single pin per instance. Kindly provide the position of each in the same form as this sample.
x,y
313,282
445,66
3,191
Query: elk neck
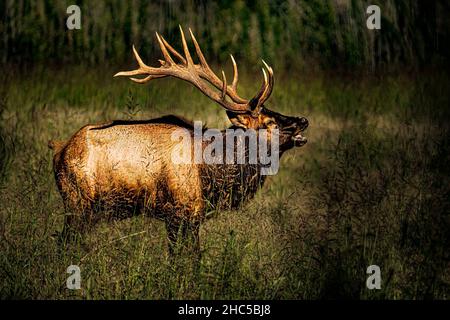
x,y
228,186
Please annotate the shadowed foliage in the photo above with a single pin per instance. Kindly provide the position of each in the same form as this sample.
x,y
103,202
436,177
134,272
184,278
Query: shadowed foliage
x,y
292,33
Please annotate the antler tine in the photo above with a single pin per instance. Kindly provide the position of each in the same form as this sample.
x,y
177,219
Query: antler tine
x,y
147,79
210,76
266,88
186,49
268,92
270,72
164,51
138,59
207,73
262,89
143,69
224,86
200,55
173,51
140,70
235,74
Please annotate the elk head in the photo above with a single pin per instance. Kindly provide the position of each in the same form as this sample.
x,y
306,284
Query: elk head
x,y
245,114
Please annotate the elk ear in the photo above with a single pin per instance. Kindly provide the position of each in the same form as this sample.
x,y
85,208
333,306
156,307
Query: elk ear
x,y
241,120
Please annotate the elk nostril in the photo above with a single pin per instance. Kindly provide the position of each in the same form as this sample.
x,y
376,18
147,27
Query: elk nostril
x,y
304,122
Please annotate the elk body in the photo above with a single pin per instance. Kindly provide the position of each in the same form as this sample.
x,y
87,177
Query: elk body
x,y
126,167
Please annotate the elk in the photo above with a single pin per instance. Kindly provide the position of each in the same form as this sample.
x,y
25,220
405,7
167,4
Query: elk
x,y
125,167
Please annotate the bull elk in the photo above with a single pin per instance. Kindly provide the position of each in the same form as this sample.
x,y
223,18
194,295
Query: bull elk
x,y
125,167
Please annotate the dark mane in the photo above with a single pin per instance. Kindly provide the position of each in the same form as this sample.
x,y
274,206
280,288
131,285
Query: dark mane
x,y
168,119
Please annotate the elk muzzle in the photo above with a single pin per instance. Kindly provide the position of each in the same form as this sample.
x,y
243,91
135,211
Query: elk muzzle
x,y
298,138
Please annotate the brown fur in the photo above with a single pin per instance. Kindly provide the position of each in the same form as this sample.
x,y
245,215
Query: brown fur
x,y
126,168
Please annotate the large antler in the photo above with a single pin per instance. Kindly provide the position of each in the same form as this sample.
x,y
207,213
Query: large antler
x,y
198,73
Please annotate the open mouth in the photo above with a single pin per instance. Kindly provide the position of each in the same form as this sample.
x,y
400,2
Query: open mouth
x,y
299,140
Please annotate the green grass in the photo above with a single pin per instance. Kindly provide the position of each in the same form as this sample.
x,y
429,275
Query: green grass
x,y
370,187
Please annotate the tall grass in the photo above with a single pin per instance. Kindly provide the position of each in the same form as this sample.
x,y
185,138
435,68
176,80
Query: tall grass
x,y
370,187
288,33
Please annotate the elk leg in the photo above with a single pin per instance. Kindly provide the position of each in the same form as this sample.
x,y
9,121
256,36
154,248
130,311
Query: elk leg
x,y
191,237
79,217
172,228
77,209
73,227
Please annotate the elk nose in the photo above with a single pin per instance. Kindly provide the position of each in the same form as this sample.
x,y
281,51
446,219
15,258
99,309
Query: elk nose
x,y
303,122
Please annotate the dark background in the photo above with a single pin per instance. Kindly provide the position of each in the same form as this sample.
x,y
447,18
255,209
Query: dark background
x,y
325,34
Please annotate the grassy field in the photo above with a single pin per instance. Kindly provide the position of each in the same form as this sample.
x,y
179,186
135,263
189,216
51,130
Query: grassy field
x,y
370,187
